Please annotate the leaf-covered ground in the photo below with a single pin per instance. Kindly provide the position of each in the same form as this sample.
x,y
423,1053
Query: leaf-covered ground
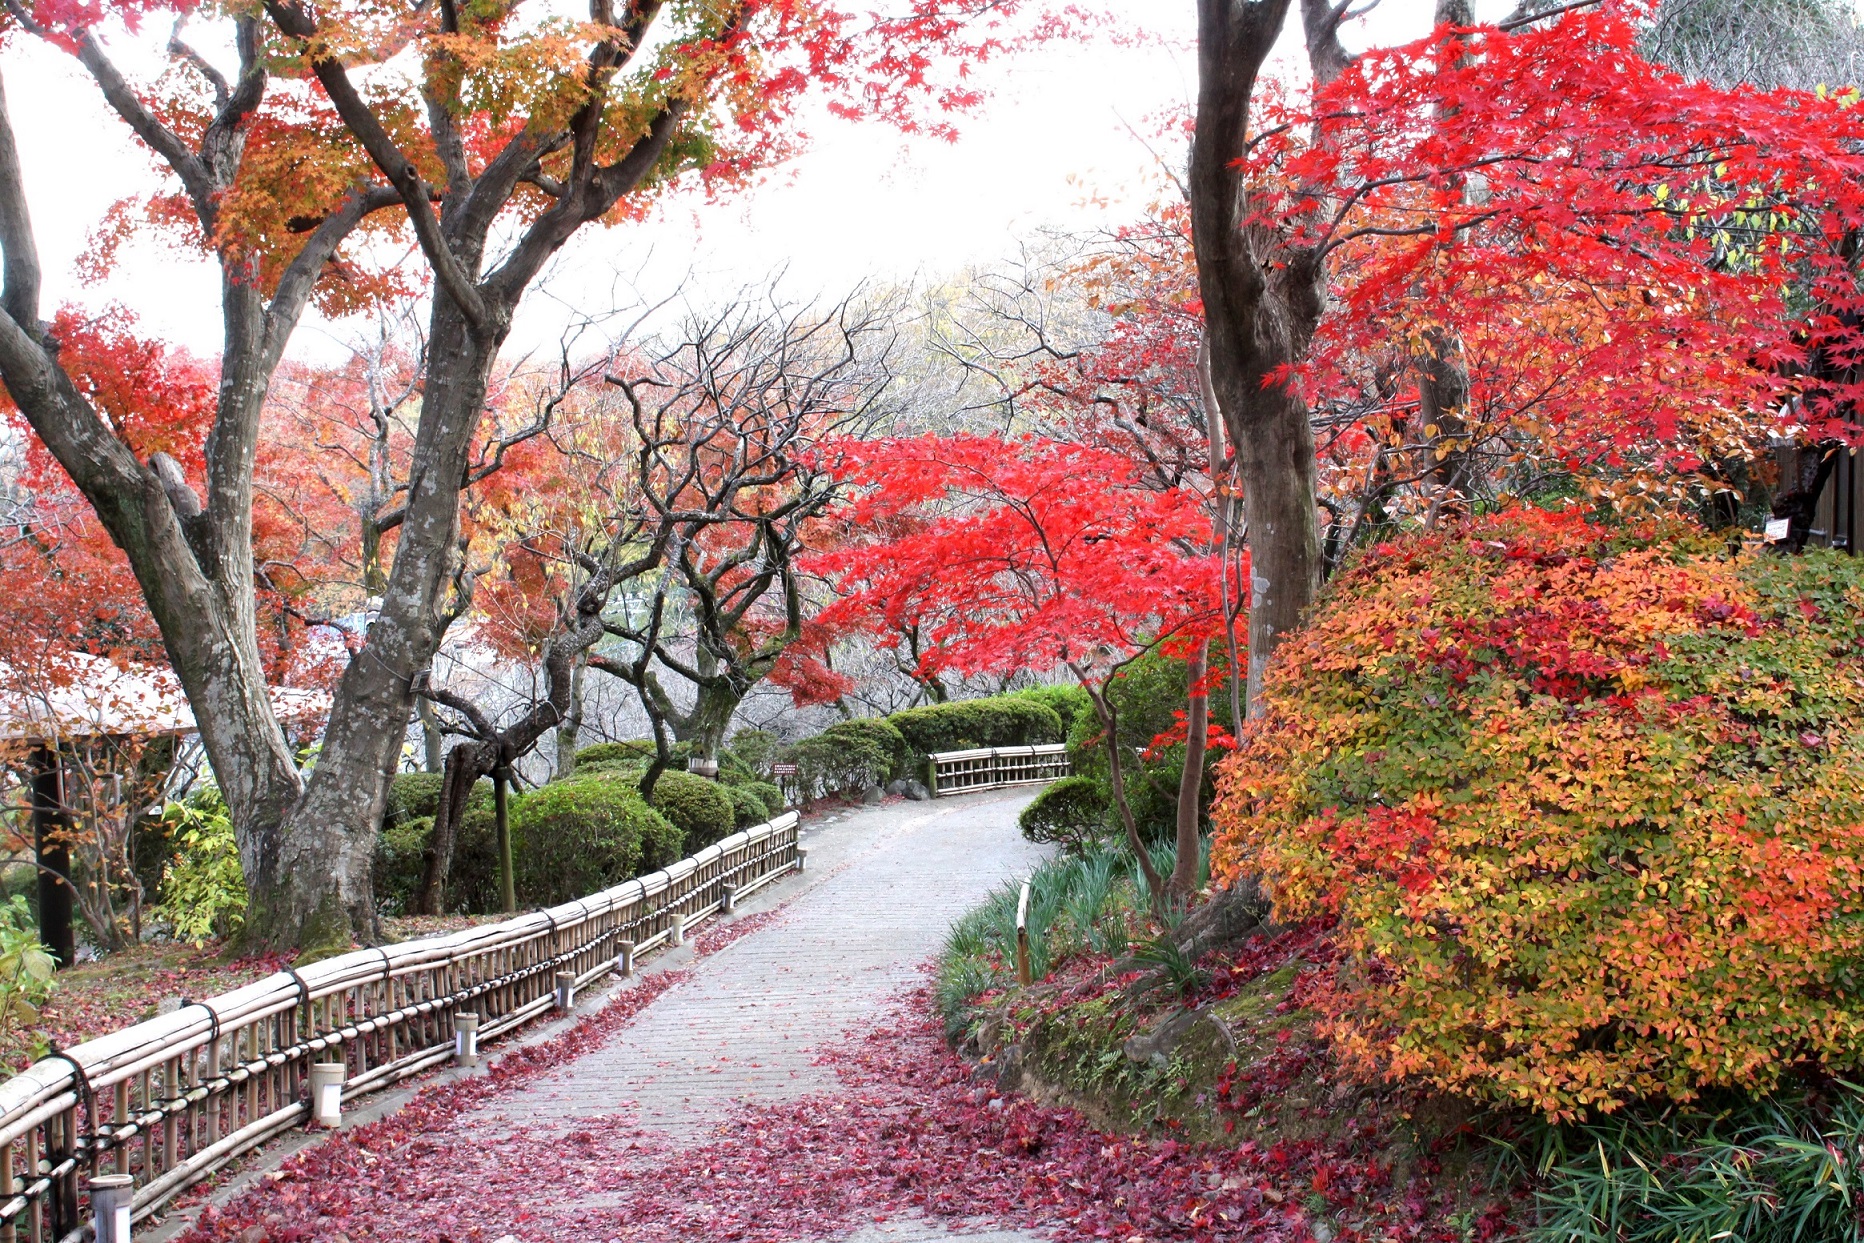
x,y
911,1132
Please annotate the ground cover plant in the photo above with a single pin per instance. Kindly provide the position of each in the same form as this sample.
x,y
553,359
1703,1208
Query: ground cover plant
x,y
1587,802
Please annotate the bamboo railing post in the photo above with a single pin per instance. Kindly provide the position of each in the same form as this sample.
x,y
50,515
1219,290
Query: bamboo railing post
x,y
1022,937
118,1117
9,1187
35,1215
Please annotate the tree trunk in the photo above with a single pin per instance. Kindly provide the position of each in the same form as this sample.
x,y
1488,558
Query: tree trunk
x,y
1183,882
571,728
710,718
465,764
1443,371
433,742
313,888
1263,298
501,818
51,820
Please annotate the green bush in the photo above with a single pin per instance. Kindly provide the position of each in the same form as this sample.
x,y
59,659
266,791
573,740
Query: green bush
x,y
835,764
1068,700
770,795
747,807
662,843
698,807
1071,812
411,796
26,970
757,748
633,753
203,893
1148,697
999,721
881,733
400,861
572,838
733,771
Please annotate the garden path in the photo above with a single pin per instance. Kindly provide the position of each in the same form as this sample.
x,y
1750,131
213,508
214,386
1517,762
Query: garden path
x,y
881,890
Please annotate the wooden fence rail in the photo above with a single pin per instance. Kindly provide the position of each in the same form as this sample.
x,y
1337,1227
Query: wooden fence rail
x,y
170,1100
987,768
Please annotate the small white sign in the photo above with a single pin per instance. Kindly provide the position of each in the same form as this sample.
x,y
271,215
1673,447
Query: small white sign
x,y
1777,529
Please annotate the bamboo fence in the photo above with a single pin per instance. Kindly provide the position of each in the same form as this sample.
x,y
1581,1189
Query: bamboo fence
x,y
989,768
172,1099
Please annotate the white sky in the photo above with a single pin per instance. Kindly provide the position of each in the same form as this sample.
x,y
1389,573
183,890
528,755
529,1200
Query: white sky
x,y
1054,146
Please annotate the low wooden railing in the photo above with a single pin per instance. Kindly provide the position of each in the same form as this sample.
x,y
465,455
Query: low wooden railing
x,y
170,1100
987,768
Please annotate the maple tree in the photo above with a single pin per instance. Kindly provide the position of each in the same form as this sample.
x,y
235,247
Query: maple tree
x,y
489,134
1572,243
1013,565
738,422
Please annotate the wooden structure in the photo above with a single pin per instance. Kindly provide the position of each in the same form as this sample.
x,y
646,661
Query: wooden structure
x,y
1835,521
171,1100
77,697
989,768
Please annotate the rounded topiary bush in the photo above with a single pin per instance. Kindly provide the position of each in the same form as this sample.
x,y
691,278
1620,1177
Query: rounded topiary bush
x,y
747,807
1072,812
699,808
770,795
411,796
1067,699
879,733
831,764
1587,804
572,838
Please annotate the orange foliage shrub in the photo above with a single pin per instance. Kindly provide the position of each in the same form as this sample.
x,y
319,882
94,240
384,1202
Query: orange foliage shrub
x,y
1587,804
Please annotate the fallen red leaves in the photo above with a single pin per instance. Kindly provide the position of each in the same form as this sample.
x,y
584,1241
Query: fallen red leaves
x,y
910,1133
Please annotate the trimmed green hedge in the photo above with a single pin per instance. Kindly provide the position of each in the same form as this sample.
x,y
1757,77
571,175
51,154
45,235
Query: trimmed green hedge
x,y
880,732
830,764
572,838
411,796
632,753
1072,812
698,807
747,807
770,795
999,721
1069,701
400,858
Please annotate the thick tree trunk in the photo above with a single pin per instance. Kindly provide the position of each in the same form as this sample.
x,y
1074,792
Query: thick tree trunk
x,y
314,887
465,764
433,742
1262,301
501,823
1443,372
706,725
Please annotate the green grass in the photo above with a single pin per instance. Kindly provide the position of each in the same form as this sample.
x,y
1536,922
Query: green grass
x,y
1089,903
1779,1169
